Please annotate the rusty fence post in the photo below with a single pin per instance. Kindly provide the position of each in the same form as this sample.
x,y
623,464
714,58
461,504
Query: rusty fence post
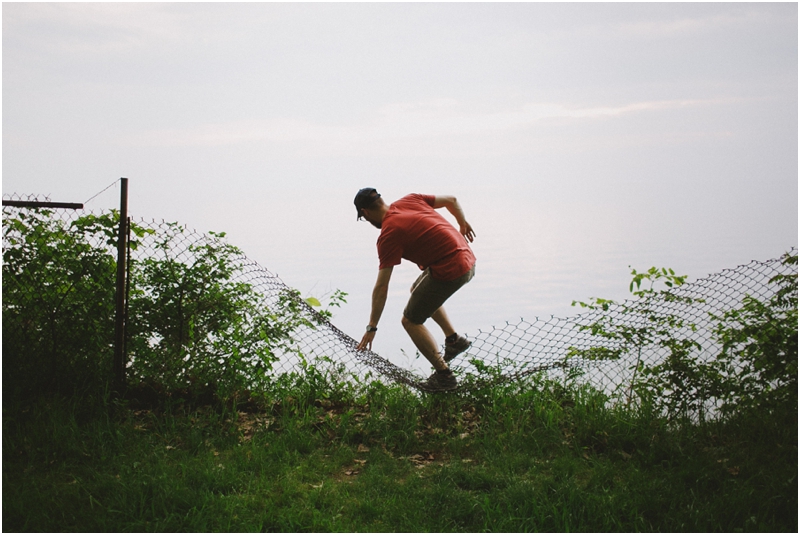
x,y
119,323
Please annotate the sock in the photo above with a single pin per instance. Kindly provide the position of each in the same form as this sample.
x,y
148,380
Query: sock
x,y
451,339
444,372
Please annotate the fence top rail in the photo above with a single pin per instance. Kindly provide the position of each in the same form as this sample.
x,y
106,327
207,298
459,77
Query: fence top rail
x,y
43,204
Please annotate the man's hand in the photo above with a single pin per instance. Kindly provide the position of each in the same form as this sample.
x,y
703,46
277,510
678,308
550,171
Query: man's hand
x,y
366,341
466,231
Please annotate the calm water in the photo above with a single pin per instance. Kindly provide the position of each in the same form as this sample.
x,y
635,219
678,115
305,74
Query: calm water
x,y
532,262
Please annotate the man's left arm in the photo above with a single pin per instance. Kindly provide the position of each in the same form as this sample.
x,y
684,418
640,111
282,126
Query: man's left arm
x,y
451,203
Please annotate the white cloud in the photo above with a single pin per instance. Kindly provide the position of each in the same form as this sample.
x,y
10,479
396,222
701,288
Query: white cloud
x,y
108,29
94,27
692,25
439,118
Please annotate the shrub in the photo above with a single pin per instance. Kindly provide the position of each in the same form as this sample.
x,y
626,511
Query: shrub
x,y
58,304
759,349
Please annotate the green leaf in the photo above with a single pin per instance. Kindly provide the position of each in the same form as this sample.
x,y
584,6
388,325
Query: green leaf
x,y
313,301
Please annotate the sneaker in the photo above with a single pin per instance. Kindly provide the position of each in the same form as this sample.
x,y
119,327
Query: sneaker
x,y
451,351
441,382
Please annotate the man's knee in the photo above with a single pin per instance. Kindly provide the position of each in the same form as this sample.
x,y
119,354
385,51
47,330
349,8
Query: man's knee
x,y
407,323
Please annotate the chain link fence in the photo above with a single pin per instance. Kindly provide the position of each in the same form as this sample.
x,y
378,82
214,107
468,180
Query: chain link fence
x,y
194,294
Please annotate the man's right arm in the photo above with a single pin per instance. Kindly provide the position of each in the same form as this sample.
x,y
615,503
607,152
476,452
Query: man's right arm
x,y
379,295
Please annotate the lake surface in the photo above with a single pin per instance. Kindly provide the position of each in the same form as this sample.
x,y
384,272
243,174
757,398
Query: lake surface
x,y
533,261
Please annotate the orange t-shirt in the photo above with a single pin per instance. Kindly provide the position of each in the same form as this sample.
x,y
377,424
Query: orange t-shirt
x,y
413,230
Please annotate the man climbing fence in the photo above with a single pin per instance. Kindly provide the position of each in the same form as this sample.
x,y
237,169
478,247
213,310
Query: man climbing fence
x,y
411,228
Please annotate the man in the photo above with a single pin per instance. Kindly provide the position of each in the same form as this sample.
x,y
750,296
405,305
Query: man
x,y
411,228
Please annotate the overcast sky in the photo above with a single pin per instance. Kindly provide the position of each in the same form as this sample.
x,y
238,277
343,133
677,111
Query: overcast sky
x,y
580,138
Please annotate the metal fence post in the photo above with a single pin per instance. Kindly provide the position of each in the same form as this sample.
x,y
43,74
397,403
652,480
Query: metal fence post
x,y
119,323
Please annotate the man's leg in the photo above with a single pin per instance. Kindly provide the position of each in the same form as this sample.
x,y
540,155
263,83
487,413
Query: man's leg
x,y
454,343
426,301
425,342
439,315
443,321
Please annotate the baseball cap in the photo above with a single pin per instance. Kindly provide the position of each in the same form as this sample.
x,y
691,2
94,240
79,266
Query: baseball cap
x,y
364,199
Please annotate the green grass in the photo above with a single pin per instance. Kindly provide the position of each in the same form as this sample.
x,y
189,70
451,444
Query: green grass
x,y
533,457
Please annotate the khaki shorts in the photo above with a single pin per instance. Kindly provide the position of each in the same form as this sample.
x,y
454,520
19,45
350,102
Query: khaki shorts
x,y
428,294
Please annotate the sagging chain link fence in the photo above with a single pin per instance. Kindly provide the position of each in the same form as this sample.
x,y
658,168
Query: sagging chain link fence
x,y
193,295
